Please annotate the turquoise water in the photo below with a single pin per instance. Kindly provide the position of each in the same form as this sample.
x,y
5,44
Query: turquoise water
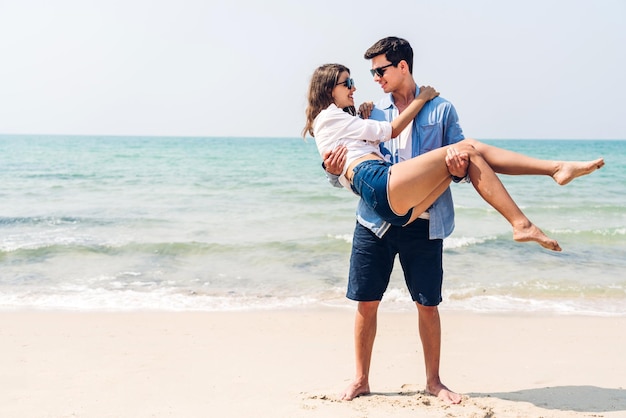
x,y
124,223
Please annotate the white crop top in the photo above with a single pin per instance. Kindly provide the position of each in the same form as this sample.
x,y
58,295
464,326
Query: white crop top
x,y
333,127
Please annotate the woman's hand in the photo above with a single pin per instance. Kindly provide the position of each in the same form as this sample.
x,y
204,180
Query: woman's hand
x,y
335,160
428,93
365,110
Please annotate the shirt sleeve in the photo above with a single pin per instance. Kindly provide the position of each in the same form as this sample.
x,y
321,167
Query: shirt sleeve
x,y
371,130
345,127
452,132
333,179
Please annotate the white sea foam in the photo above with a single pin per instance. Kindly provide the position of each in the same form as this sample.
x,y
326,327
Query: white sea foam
x,y
509,304
345,237
460,242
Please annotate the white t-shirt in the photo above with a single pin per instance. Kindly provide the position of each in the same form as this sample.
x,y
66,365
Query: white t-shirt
x,y
405,145
333,127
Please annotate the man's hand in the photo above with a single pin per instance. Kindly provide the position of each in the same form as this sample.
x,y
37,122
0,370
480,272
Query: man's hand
x,y
335,160
365,110
457,162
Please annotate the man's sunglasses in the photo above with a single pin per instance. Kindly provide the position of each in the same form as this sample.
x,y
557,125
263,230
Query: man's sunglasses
x,y
349,83
380,71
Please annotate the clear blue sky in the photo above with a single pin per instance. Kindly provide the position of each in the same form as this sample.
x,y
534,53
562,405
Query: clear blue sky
x,y
513,69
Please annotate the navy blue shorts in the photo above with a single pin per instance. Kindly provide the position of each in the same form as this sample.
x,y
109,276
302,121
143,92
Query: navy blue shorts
x,y
372,258
370,182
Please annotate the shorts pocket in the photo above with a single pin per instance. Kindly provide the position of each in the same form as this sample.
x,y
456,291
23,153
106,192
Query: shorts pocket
x,y
368,194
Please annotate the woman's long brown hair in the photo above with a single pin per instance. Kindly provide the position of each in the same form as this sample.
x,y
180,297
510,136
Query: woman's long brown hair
x,y
321,88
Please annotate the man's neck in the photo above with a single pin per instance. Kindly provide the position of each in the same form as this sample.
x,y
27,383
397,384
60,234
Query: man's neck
x,y
403,96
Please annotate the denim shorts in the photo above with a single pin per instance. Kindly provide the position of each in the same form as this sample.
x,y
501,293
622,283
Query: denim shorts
x,y
370,182
372,261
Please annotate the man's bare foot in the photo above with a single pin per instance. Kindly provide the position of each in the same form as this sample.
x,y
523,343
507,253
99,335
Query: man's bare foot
x,y
355,389
569,170
529,232
442,392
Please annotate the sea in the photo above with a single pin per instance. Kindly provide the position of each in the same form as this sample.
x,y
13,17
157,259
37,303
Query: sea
x,y
104,223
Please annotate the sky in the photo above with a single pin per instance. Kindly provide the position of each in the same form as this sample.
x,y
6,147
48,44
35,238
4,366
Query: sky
x,y
532,69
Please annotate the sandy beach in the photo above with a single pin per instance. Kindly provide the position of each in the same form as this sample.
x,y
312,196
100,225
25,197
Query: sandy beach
x,y
295,363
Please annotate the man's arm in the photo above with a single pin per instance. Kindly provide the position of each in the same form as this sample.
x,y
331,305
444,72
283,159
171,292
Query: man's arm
x,y
333,162
457,163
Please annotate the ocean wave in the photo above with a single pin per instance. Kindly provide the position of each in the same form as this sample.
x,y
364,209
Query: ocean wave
x,y
37,250
577,209
454,242
540,290
82,298
347,238
39,220
605,232
511,304
81,245
184,300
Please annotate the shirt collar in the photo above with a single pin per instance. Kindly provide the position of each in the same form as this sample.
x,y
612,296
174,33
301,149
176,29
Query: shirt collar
x,y
387,102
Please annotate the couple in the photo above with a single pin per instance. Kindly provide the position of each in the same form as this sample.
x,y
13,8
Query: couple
x,y
409,213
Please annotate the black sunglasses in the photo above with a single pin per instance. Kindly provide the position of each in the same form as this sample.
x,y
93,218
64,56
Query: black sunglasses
x,y
380,71
349,83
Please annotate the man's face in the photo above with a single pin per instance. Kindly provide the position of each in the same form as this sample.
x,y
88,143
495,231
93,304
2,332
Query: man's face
x,y
390,78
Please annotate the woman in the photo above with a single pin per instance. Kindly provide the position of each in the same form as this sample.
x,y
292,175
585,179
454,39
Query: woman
x,y
399,193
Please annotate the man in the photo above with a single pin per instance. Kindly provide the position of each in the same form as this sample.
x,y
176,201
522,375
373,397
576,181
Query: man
x,y
420,244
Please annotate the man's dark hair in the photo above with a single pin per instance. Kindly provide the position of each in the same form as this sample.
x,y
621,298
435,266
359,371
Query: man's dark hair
x,y
395,50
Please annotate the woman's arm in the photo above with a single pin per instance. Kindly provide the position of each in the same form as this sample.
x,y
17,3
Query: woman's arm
x,y
398,124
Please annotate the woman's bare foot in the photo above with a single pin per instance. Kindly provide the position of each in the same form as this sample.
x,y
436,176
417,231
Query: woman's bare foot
x,y
569,170
442,392
355,389
529,232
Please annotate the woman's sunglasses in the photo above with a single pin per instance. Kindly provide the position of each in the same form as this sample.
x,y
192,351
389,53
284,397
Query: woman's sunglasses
x,y
349,83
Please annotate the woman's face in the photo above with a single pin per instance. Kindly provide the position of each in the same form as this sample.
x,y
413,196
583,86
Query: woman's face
x,y
343,90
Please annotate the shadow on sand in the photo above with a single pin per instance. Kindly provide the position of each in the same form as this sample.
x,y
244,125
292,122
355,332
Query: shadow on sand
x,y
572,398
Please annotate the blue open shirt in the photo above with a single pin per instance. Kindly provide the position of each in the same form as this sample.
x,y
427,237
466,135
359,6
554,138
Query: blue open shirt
x,y
435,126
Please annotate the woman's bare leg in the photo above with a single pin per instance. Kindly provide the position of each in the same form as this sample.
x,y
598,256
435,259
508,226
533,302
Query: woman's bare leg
x,y
491,189
508,162
430,199
417,182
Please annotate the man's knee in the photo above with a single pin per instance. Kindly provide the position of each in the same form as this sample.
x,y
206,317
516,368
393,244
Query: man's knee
x,y
427,310
368,309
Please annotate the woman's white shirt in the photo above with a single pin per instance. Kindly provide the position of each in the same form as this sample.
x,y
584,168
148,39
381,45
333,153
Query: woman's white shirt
x,y
333,127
